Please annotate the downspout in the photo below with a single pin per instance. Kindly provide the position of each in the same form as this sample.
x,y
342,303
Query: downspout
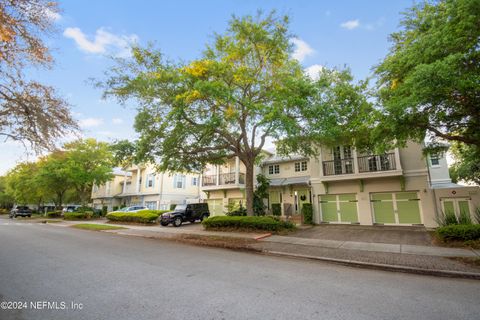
x,y
161,191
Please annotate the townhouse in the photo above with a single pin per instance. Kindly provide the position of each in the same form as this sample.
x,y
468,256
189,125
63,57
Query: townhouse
x,y
142,185
400,187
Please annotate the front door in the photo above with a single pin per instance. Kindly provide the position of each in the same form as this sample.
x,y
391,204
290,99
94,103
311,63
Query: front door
x,y
301,197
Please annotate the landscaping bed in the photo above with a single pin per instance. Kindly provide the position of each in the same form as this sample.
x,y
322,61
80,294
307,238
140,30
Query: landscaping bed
x,y
86,215
248,224
459,235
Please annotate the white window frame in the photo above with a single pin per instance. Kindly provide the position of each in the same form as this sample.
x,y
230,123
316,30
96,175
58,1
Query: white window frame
x,y
194,181
274,169
436,157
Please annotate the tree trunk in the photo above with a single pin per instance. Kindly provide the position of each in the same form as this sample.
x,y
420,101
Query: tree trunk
x,y
249,185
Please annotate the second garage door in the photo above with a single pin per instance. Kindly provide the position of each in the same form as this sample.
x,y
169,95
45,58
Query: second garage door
x,y
339,208
215,206
396,208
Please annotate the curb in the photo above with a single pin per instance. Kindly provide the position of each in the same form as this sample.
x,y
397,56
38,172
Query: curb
x,y
263,236
380,266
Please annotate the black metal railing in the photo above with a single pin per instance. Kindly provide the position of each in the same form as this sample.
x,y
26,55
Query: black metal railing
x,y
339,166
379,162
224,179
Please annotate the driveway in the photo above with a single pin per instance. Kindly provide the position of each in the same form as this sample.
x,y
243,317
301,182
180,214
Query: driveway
x,y
377,234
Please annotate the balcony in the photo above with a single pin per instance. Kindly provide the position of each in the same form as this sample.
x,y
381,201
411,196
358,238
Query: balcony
x,y
224,180
361,167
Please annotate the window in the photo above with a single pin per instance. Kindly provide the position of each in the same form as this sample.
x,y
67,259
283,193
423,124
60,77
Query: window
x,y
274,169
300,166
150,180
152,205
194,181
434,159
179,181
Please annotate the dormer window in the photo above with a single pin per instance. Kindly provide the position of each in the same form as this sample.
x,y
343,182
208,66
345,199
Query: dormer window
x,y
301,166
434,159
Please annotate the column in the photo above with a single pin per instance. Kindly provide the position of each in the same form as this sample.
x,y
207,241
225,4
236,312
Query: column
x,y
218,174
355,161
124,182
237,170
138,180
398,165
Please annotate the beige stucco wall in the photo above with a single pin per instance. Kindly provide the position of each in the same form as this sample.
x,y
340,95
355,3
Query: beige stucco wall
x,y
472,193
287,170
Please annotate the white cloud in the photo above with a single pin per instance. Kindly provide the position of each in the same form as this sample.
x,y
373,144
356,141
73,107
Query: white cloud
x,y
302,49
117,121
313,71
55,16
351,24
104,41
90,122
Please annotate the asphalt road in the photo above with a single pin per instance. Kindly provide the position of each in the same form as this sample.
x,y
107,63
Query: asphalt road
x,y
120,277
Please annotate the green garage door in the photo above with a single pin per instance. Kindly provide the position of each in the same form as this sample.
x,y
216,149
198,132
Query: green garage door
x,y
339,208
215,206
396,208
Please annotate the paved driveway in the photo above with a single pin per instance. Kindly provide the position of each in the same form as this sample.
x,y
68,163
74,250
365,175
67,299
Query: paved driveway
x,y
379,234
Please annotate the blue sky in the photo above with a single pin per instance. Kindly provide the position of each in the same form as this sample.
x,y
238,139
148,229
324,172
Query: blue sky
x,y
330,33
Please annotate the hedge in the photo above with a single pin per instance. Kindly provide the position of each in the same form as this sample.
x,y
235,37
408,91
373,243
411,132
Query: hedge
x,y
307,211
252,223
144,216
85,215
4,211
459,232
54,214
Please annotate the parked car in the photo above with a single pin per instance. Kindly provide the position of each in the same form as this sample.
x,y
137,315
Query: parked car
x,y
185,212
133,209
22,211
71,208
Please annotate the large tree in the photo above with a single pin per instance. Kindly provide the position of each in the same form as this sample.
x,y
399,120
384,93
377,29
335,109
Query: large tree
x,y
429,82
29,111
24,186
244,89
87,162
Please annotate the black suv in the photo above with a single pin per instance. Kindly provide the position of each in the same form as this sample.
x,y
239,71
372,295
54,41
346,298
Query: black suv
x,y
185,212
22,211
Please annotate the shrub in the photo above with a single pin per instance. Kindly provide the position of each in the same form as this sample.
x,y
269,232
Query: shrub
x,y
104,210
250,223
86,215
144,216
115,208
276,209
464,217
172,207
307,211
3,211
54,214
459,232
446,219
233,209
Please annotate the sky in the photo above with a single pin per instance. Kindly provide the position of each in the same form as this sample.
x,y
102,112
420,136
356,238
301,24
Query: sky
x,y
337,33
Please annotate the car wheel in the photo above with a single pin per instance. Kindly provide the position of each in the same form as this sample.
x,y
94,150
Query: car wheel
x,y
203,217
177,222
164,223
192,221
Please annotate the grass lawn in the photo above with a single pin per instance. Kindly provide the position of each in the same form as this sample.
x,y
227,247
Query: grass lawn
x,y
96,227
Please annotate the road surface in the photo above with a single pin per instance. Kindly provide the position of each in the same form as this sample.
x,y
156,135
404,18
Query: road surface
x,y
95,275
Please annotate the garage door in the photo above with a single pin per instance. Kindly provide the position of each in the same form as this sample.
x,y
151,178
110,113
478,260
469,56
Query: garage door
x,y
396,208
215,206
339,208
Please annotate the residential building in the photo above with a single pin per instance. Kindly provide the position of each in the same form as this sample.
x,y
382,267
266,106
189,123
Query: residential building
x,y
142,185
400,187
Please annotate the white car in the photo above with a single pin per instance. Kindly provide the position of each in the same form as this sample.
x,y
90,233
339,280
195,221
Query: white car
x,y
133,209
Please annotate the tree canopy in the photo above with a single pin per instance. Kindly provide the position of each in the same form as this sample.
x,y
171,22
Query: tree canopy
x,y
29,111
429,82
244,88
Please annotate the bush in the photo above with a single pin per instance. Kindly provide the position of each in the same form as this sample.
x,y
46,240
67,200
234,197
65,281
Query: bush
x,y
464,217
276,209
54,214
250,223
86,215
4,211
115,208
235,210
172,207
104,210
307,211
446,219
459,232
144,216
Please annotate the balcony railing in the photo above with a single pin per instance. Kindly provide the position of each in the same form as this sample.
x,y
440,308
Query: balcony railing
x,y
339,166
374,163
371,163
224,179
